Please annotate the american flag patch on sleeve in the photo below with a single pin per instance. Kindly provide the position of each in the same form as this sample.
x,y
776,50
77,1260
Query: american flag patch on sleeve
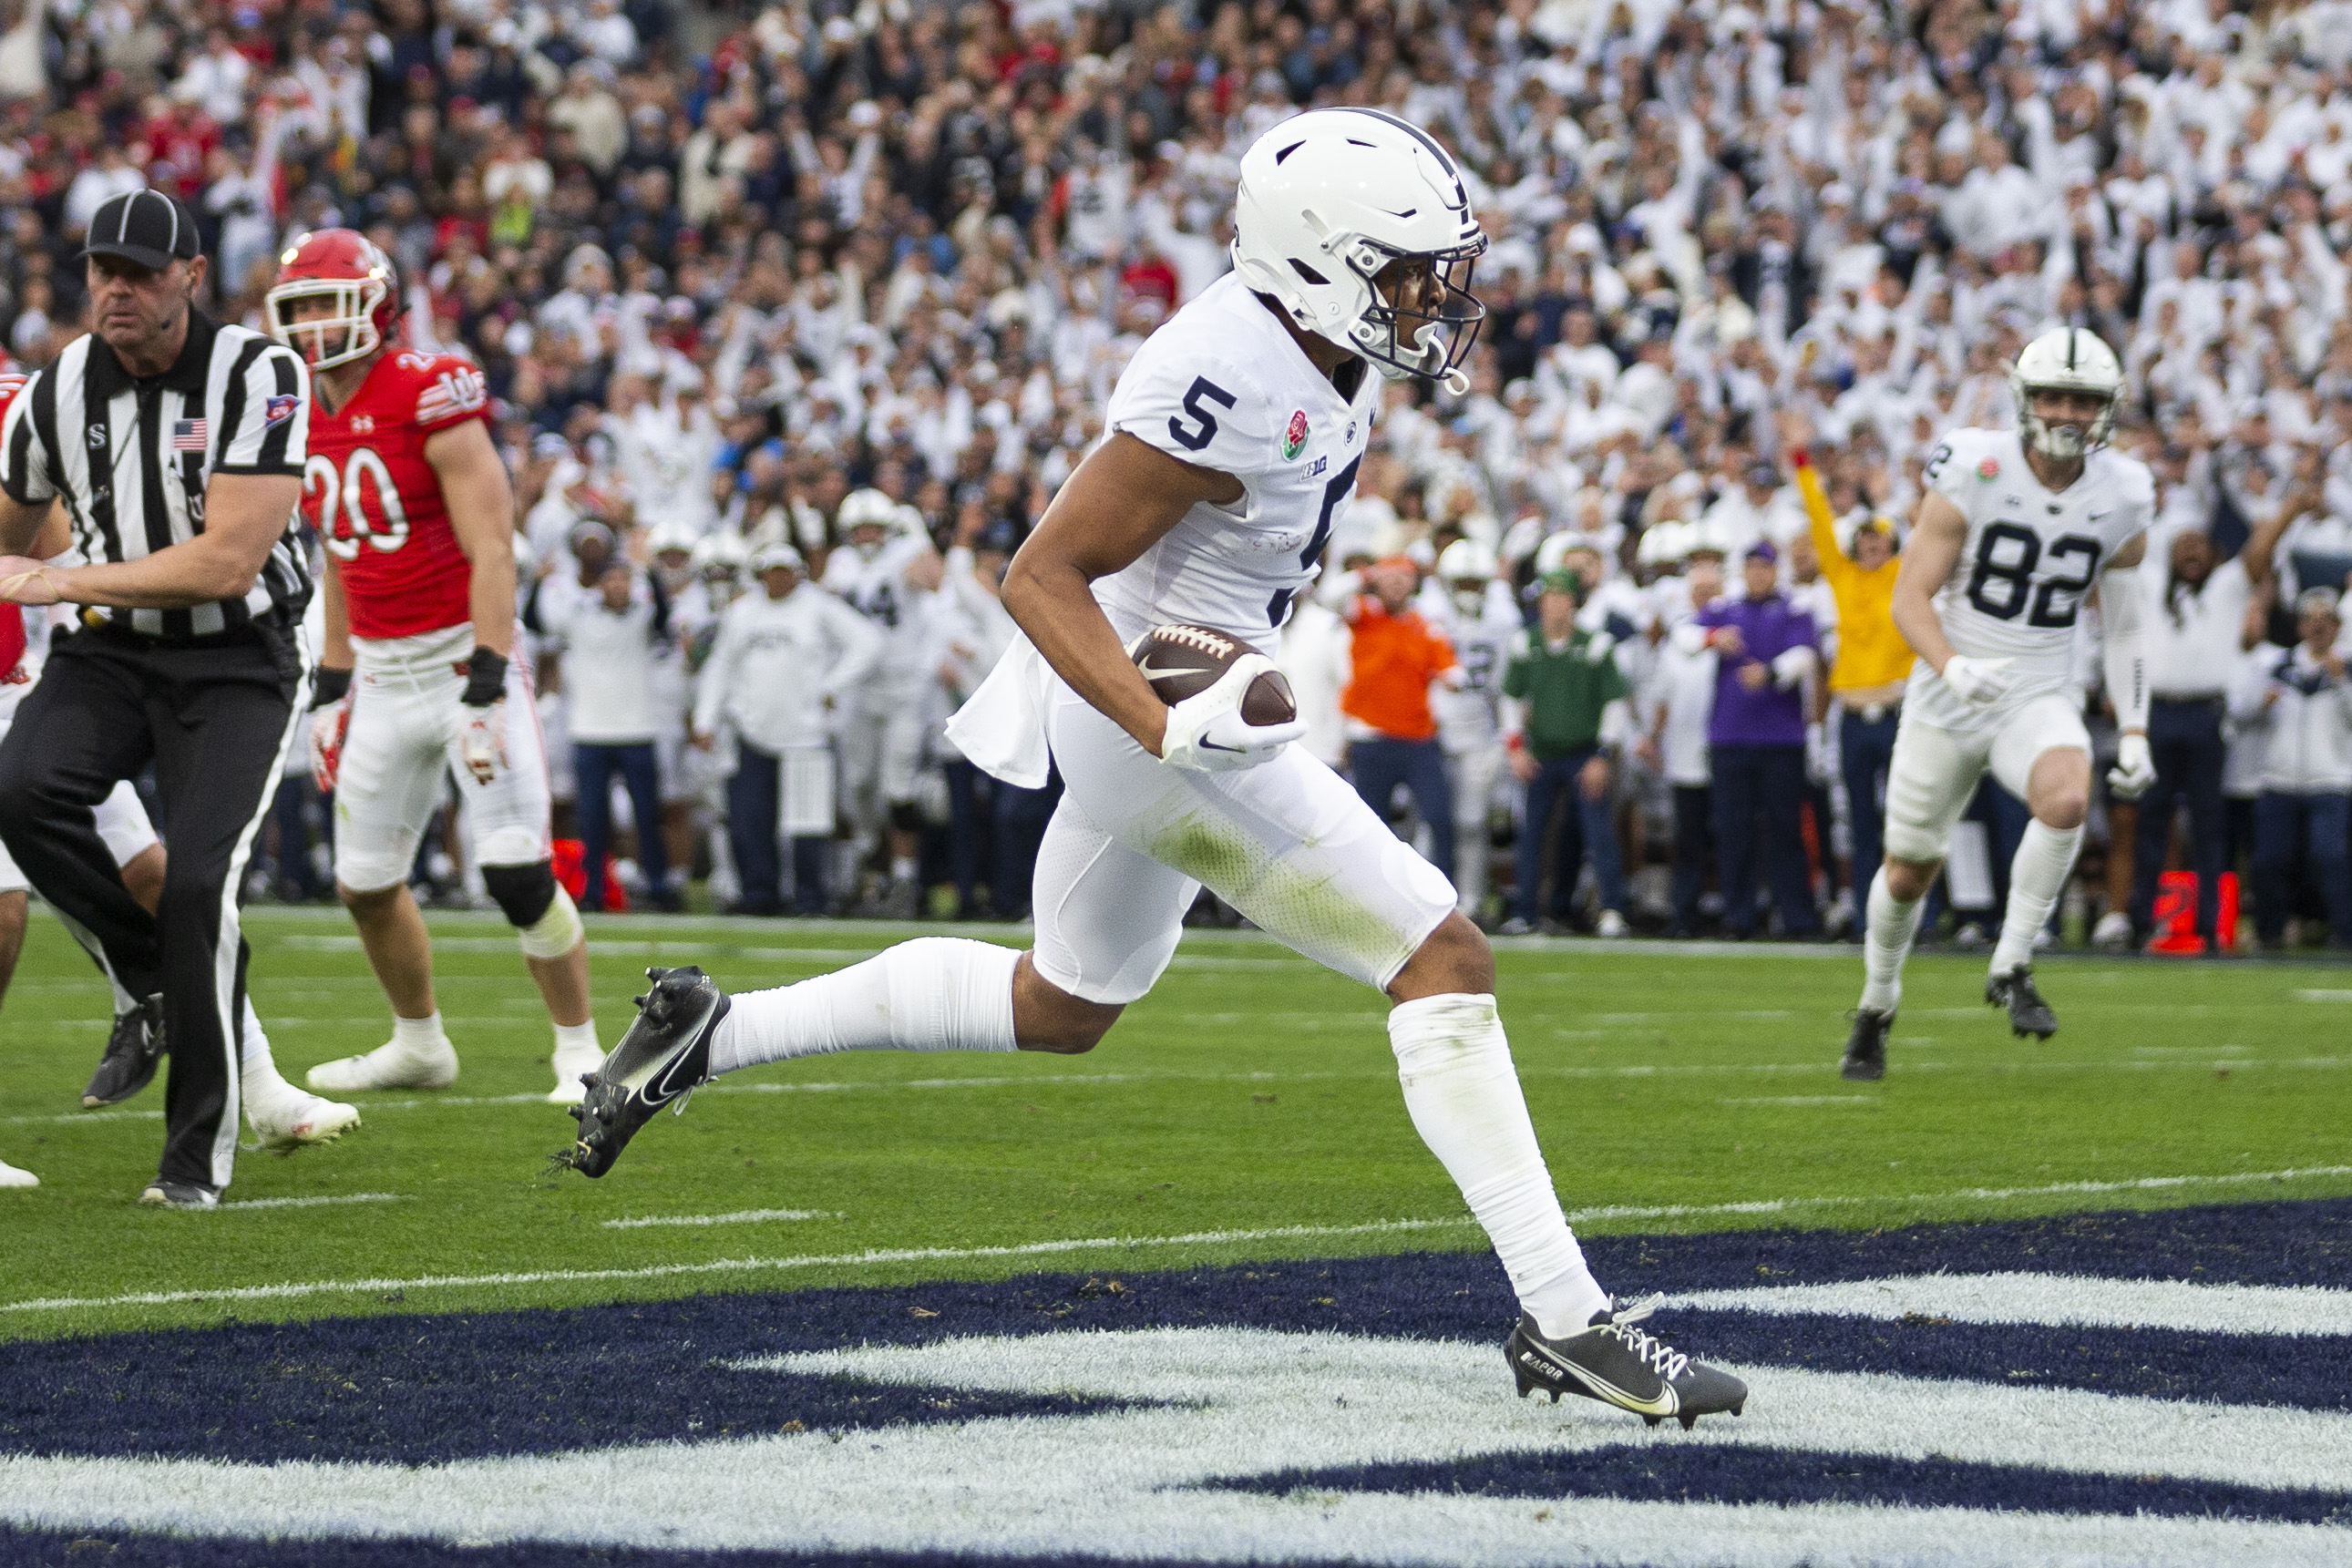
x,y
188,435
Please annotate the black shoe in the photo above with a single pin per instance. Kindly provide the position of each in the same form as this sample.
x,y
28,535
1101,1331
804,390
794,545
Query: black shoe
x,y
1618,1364
2028,1013
1866,1048
132,1050
660,1062
162,1194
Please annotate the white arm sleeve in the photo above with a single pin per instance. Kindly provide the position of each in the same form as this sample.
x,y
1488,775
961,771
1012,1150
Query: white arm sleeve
x,y
2127,646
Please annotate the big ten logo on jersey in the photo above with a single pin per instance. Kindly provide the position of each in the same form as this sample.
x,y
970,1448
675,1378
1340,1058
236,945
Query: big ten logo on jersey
x,y
359,503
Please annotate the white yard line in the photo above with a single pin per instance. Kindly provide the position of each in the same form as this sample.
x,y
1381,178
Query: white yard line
x,y
2025,1298
743,1217
294,1289
317,1202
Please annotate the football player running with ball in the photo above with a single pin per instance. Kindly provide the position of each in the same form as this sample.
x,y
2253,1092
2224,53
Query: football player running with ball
x,y
1235,436
2018,530
413,501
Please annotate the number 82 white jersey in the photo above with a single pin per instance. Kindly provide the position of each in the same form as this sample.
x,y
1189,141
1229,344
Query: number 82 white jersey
x,y
2030,559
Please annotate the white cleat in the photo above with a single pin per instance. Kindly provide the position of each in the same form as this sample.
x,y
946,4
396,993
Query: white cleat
x,y
390,1065
11,1176
571,1066
286,1118
2113,934
1612,925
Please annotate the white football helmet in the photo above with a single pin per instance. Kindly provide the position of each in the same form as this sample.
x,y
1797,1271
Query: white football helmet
x,y
718,560
1330,197
2067,359
868,508
1467,566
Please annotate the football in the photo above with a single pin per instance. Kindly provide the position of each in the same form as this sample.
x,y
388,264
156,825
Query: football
x,y
1185,661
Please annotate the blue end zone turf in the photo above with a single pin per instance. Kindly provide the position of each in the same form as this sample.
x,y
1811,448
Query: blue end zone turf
x,y
426,1390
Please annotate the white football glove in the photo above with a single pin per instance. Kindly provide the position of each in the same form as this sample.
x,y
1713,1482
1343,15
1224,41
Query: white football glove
x,y
2134,773
1979,683
327,725
482,743
1205,731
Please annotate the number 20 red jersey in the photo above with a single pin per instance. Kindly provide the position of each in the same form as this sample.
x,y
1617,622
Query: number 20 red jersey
x,y
377,503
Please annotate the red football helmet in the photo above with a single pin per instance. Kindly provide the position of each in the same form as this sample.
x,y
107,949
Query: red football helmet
x,y
348,267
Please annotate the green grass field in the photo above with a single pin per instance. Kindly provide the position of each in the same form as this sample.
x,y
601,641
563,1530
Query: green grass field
x,y
1246,1109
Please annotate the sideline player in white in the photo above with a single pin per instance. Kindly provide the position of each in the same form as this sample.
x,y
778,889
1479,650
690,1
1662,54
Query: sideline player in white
x,y
413,501
1481,622
888,574
2018,528
1235,435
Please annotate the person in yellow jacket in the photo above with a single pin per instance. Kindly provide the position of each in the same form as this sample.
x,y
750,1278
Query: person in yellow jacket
x,y
1873,660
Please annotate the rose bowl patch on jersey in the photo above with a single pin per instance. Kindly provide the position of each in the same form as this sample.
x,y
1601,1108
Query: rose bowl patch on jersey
x,y
2169,1388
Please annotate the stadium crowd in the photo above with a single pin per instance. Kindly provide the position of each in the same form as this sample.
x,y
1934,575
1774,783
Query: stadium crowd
x,y
796,315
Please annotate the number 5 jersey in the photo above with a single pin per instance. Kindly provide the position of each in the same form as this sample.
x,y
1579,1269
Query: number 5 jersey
x,y
2031,558
1223,385
377,503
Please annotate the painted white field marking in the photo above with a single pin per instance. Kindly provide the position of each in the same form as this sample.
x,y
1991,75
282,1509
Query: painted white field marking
x,y
2021,1298
742,1217
2324,996
1807,1100
294,1289
322,1202
1202,1405
872,1255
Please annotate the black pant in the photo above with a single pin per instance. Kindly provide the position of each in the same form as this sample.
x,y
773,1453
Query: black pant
x,y
2185,742
1376,766
755,801
216,723
1694,852
594,765
1759,794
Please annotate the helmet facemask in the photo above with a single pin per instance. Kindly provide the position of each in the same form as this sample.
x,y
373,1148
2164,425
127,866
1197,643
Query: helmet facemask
x,y
2063,443
353,324
1432,341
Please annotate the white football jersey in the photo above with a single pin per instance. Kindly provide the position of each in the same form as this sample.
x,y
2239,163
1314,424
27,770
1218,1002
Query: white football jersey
x,y
1483,644
876,589
1223,385
2030,559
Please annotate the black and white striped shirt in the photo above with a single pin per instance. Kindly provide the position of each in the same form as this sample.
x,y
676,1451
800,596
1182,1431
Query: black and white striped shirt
x,y
132,458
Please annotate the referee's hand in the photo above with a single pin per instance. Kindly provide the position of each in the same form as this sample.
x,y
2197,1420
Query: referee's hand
x,y
24,580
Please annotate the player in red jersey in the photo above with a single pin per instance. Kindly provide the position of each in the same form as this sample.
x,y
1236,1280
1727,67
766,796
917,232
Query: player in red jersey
x,y
413,501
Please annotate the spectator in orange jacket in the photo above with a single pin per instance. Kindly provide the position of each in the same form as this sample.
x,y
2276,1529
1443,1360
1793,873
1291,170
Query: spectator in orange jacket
x,y
1393,655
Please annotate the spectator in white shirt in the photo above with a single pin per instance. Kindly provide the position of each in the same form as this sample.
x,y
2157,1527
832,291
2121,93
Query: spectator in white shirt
x,y
611,634
783,659
2199,610
2300,701
1677,746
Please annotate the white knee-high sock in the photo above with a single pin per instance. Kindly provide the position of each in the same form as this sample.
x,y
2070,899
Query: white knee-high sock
x,y
2036,877
1891,924
1465,1100
935,993
254,1060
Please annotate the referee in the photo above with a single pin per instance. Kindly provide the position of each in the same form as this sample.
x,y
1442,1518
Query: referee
x,y
177,445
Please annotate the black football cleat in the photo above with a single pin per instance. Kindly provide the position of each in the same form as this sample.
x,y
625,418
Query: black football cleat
x,y
2028,1013
132,1052
660,1062
184,1194
1618,1364
1866,1048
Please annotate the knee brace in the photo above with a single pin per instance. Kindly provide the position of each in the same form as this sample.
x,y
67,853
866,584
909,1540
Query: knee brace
x,y
545,919
906,817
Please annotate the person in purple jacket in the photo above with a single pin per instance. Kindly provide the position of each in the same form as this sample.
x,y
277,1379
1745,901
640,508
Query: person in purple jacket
x,y
1756,744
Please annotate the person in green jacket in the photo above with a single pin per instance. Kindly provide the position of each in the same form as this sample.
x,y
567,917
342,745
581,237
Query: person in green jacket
x,y
1565,716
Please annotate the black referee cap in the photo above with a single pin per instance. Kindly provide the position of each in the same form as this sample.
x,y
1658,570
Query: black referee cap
x,y
147,227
